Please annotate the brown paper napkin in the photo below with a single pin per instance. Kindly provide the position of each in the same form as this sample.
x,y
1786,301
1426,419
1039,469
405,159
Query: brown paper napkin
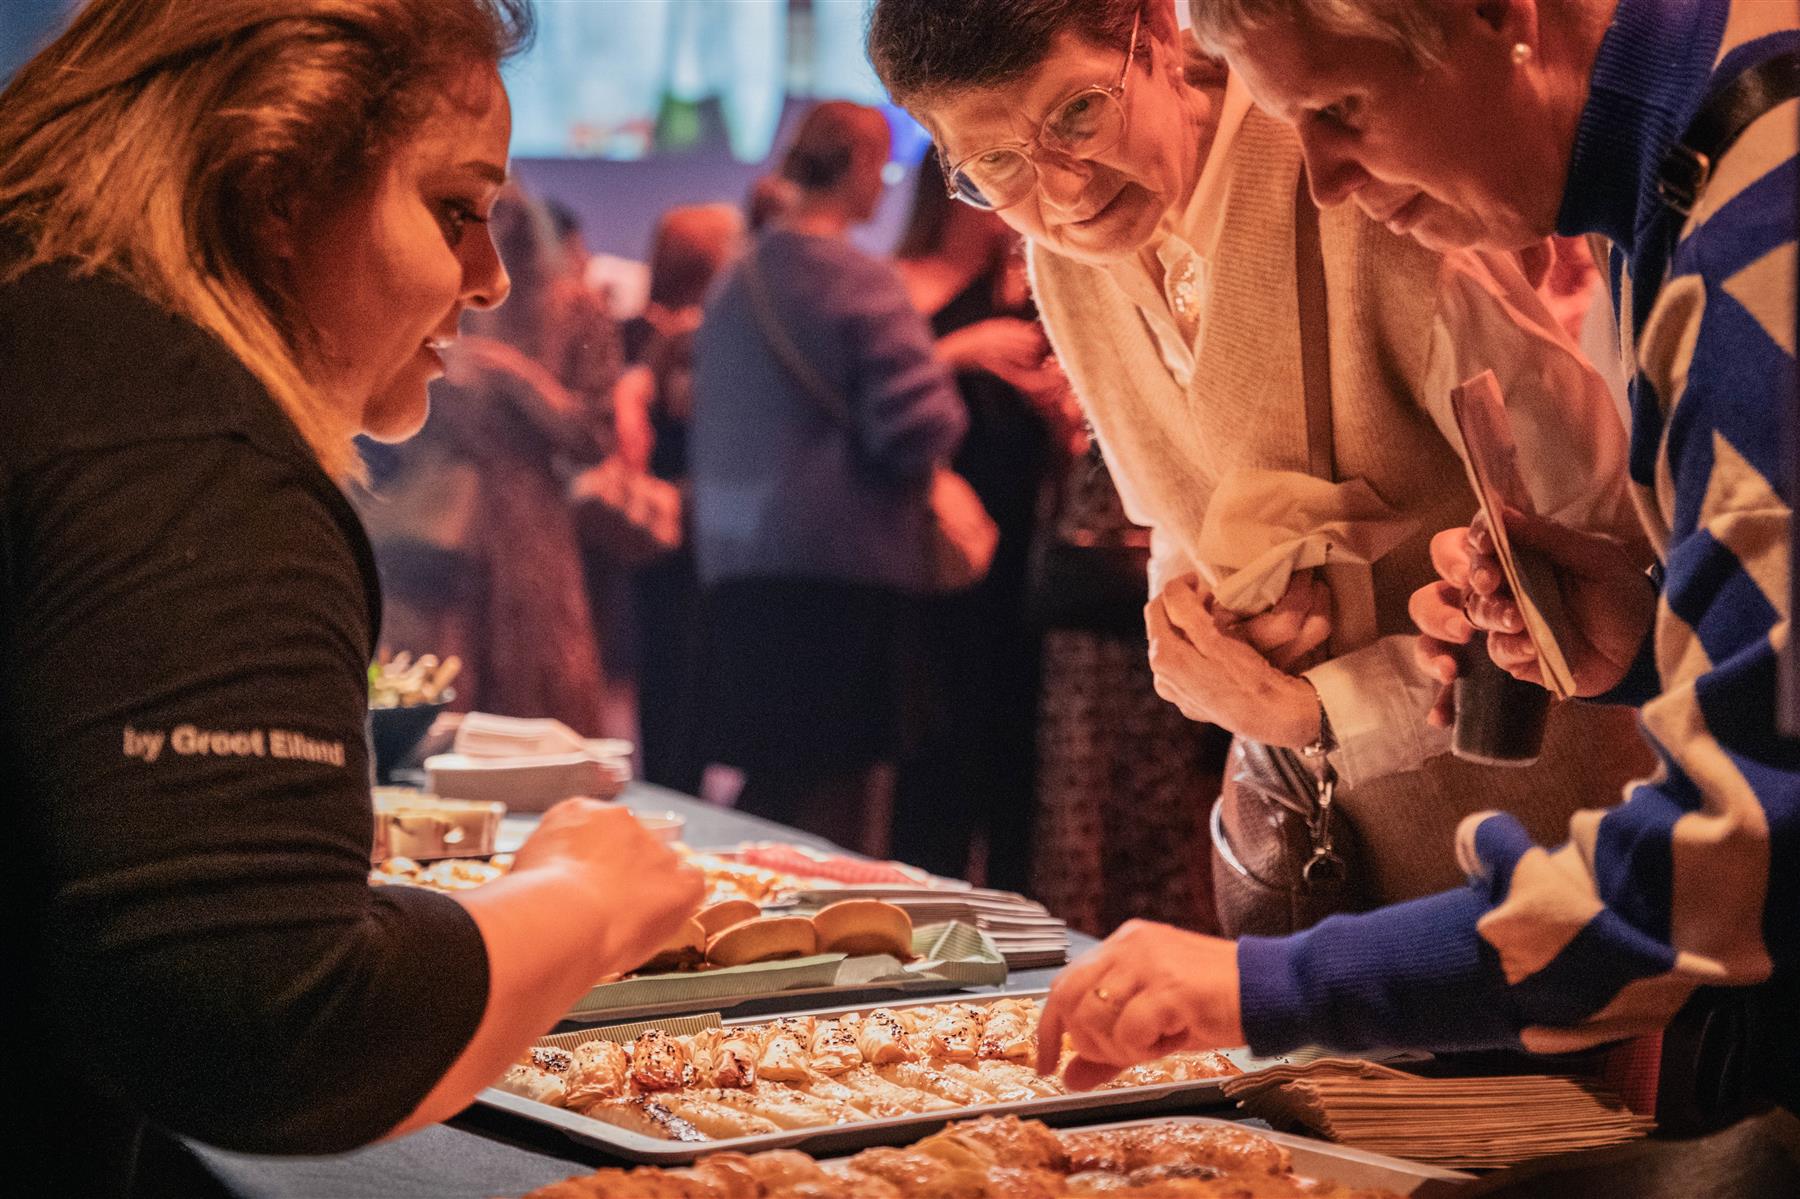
x,y
1491,456
1462,1123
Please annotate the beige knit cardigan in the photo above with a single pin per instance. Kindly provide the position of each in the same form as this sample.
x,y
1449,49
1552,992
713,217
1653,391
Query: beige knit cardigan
x,y
1246,409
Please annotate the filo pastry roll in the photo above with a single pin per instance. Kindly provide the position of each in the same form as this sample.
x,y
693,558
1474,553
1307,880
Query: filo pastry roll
x,y
1009,1030
834,1047
882,1038
600,1071
786,1049
660,1062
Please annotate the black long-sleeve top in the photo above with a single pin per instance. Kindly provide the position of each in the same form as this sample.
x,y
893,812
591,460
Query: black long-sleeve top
x,y
187,609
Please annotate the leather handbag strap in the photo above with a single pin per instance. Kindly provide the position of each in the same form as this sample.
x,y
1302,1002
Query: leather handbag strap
x,y
1315,336
775,335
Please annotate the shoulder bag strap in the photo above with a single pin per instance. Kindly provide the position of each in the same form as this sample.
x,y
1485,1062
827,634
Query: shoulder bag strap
x,y
1731,107
775,335
1315,336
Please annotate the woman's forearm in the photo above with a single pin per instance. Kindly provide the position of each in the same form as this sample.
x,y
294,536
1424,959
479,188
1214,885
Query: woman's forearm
x,y
548,939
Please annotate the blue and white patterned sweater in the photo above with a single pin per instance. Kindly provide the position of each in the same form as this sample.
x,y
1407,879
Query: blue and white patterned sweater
x,y
1694,880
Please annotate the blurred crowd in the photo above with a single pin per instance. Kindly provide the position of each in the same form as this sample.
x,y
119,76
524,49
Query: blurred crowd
x,y
658,526
645,525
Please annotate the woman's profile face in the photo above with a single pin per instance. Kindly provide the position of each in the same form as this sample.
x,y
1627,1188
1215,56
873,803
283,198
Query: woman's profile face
x,y
1103,208
383,276
1463,153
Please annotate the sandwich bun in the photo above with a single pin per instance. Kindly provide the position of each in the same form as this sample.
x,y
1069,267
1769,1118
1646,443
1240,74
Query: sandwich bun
x,y
686,950
721,916
767,940
864,926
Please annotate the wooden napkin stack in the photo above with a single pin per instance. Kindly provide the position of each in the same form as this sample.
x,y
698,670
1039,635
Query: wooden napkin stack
x,y
1461,1123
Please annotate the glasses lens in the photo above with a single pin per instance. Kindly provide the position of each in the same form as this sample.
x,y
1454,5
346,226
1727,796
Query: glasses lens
x,y
997,179
1086,125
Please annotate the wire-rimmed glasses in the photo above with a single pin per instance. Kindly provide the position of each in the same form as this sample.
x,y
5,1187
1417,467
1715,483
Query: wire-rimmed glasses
x,y
1080,126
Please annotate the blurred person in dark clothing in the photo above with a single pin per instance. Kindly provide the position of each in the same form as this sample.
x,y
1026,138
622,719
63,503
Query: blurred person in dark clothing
x,y
653,407
810,515
1120,832
970,783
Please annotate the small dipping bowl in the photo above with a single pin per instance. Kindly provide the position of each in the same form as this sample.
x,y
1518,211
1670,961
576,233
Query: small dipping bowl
x,y
667,826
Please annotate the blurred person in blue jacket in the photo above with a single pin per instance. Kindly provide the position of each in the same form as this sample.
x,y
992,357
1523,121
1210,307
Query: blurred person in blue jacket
x,y
810,517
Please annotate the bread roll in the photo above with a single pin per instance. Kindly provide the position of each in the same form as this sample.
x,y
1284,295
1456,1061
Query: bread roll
x,y
865,926
767,940
684,951
721,916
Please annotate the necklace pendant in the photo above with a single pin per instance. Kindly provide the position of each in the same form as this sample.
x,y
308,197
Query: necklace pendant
x,y
1184,297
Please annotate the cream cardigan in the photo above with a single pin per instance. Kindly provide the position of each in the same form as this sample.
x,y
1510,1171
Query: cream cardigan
x,y
1405,324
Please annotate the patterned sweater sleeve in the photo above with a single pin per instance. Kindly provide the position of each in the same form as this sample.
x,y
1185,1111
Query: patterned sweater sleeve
x,y
1694,879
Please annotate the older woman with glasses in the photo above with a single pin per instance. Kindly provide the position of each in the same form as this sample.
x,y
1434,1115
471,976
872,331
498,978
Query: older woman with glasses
x,y
1270,386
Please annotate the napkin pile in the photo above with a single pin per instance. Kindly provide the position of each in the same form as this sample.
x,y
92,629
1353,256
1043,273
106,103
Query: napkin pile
x,y
1461,1123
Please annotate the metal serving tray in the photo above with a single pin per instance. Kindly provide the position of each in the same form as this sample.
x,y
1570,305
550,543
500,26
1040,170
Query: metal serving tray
x,y
843,1138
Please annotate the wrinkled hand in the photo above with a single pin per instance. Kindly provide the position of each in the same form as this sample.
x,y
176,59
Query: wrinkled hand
x,y
1223,669
1609,600
1149,990
641,888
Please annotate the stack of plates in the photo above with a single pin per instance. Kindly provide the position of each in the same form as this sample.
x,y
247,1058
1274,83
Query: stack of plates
x,y
529,765
1026,935
1462,1123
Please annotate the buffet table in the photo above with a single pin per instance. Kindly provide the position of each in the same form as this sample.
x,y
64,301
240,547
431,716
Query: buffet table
x,y
481,1153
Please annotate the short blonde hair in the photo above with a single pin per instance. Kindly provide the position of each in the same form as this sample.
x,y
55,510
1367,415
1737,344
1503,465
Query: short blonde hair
x,y
1414,26
155,139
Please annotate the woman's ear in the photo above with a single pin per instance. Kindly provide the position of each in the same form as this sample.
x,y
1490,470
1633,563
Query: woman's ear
x,y
1510,22
275,227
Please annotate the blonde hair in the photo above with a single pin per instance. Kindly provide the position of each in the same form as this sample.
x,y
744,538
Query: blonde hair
x,y
155,139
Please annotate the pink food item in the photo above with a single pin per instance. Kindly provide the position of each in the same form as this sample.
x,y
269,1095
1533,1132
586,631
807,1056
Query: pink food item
x,y
789,859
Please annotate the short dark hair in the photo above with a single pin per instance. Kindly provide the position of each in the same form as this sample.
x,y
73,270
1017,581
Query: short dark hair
x,y
824,146
927,48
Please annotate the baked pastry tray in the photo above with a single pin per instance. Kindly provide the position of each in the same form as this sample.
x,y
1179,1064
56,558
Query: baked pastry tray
x,y
846,1138
1324,1161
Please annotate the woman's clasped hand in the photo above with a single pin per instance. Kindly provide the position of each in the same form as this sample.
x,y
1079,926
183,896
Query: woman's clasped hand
x,y
1232,671
1149,990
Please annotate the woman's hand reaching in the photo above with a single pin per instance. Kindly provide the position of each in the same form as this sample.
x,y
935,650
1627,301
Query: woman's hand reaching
x,y
639,889
1147,991
591,893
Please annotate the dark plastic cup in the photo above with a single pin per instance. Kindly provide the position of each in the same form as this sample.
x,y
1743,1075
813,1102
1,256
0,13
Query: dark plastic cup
x,y
1499,719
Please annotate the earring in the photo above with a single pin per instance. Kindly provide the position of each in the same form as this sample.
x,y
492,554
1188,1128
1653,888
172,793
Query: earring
x,y
1521,53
